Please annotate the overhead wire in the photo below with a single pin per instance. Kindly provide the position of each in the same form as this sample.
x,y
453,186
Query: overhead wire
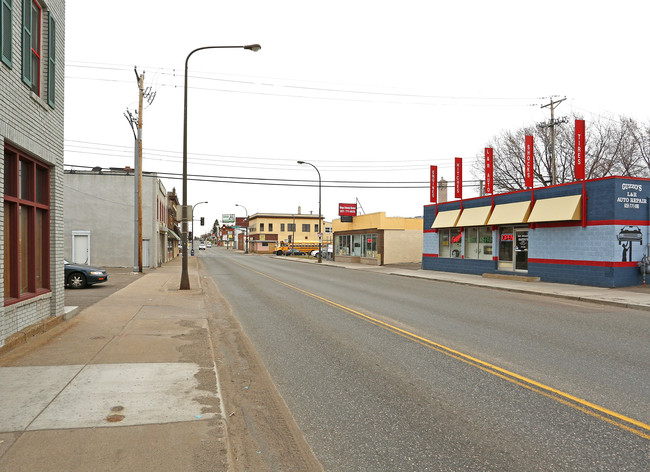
x,y
385,185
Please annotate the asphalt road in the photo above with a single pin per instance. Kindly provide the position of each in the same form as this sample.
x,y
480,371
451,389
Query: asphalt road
x,y
388,373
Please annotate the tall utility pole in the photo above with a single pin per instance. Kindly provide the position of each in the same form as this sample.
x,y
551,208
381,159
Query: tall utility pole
x,y
551,124
138,167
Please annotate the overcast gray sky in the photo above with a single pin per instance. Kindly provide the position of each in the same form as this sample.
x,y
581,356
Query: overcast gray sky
x,y
368,91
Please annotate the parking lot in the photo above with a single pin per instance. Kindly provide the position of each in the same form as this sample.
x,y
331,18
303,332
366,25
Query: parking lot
x,y
118,278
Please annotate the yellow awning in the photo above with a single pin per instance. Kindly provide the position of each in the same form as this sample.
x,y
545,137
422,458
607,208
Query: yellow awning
x,y
474,216
510,213
557,209
446,219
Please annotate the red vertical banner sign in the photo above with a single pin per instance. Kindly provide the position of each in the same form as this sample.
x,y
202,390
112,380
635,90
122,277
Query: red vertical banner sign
x,y
529,162
458,182
488,170
434,184
580,150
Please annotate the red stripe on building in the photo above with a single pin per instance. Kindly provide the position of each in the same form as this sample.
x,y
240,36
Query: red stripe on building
x,y
582,263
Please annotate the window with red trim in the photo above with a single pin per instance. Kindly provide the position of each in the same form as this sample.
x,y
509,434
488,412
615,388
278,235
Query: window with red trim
x,y
26,227
31,50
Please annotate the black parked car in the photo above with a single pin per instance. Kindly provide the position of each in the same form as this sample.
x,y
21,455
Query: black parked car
x,y
79,275
294,252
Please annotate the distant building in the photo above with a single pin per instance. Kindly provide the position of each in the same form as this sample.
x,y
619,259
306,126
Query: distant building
x,y
268,230
31,136
376,239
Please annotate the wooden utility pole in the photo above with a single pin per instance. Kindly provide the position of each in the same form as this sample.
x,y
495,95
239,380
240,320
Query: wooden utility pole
x,y
138,167
551,124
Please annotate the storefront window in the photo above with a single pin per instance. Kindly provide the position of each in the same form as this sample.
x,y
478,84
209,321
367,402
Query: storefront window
x,y
471,243
369,245
450,243
478,243
343,245
443,240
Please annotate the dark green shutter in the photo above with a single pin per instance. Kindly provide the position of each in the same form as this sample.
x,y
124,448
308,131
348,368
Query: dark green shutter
x,y
5,32
27,42
51,52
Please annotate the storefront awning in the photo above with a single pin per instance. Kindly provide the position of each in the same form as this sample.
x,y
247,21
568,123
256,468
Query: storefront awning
x,y
557,209
474,216
173,235
446,219
510,213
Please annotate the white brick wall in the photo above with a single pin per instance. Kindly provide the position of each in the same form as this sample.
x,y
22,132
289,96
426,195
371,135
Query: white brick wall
x,y
28,123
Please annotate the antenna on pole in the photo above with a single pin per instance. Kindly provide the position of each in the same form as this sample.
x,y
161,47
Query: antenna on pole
x,y
359,203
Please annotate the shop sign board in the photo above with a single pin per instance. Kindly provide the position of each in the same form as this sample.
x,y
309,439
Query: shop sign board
x,y
630,196
489,155
580,149
347,209
458,183
434,184
529,162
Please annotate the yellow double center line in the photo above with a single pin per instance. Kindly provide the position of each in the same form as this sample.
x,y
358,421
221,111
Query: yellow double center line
x,y
621,421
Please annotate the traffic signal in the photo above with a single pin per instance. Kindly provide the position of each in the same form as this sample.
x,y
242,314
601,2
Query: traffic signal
x,y
202,220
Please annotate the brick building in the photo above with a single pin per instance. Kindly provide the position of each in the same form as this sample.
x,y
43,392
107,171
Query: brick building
x,y
31,134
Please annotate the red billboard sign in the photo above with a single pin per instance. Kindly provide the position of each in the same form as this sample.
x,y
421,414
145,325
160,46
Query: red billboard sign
x,y
529,162
580,150
347,209
458,182
489,153
434,184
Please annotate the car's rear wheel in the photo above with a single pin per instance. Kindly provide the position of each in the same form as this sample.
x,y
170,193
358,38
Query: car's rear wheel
x,y
77,280
278,252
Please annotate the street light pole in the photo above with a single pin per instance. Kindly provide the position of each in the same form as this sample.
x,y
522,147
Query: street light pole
x,y
320,215
185,278
193,223
246,235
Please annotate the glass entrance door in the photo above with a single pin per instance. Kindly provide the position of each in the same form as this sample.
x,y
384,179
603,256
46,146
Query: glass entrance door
x,y
521,249
513,249
506,255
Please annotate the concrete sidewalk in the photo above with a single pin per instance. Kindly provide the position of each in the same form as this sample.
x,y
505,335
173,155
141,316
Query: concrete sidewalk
x,y
626,297
128,384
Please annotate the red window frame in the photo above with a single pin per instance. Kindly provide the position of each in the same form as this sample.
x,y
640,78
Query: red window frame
x,y
35,55
21,274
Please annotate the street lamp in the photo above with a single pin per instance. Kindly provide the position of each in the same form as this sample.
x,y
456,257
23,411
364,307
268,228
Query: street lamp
x,y
246,236
185,278
320,216
193,225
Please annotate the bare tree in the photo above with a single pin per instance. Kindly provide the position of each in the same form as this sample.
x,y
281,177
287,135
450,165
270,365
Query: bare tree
x,y
613,147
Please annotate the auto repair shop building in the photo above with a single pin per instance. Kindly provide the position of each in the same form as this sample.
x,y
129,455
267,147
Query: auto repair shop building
x,y
590,232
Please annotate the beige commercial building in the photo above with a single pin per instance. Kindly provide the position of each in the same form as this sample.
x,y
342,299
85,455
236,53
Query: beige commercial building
x,y
376,239
266,231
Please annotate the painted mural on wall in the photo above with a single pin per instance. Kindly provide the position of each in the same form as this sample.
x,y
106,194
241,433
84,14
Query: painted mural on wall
x,y
626,237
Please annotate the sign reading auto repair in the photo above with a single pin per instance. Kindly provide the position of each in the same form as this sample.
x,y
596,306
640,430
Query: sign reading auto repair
x,y
631,196
347,209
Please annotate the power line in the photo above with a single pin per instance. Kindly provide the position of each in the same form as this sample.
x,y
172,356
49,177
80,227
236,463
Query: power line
x,y
253,161
386,185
